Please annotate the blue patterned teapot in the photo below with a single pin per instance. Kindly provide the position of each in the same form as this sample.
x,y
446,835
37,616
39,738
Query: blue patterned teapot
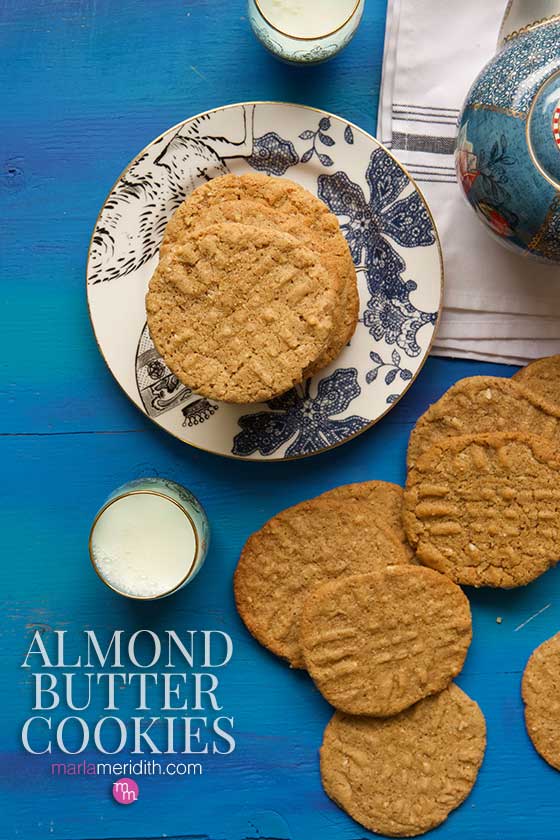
x,y
508,146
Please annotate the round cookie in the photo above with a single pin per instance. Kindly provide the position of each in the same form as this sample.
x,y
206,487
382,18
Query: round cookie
x,y
485,509
374,644
283,205
223,331
300,548
481,404
385,499
542,378
402,776
540,689
319,239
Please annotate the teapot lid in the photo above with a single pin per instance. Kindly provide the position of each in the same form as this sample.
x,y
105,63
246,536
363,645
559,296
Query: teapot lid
x,y
522,15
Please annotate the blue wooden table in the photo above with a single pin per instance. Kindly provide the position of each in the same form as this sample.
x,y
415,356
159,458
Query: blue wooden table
x,y
87,83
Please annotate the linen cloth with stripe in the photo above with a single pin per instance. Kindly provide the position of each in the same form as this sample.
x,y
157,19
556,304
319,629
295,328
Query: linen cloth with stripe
x,y
499,306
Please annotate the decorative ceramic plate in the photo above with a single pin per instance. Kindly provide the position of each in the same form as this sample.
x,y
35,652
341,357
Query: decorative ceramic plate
x,y
391,235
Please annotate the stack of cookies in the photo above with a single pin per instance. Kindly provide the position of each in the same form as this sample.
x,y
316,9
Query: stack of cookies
x,y
482,504
331,585
255,289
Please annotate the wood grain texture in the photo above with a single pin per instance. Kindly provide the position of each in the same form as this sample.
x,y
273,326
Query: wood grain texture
x,y
87,84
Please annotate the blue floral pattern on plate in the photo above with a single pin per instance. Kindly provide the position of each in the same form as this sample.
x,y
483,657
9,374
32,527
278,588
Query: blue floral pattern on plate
x,y
391,238
309,422
391,368
272,154
371,228
320,139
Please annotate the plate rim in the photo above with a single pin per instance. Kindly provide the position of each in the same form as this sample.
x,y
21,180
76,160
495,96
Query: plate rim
x,y
368,426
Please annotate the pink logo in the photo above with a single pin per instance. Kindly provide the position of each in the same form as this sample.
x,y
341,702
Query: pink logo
x,y
125,791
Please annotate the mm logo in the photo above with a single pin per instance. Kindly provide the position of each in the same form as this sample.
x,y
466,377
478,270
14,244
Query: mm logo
x,y
125,791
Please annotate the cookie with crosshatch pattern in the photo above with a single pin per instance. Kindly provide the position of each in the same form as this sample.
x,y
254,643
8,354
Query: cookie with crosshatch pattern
x,y
279,204
483,404
403,775
540,691
384,498
295,551
542,378
485,509
374,644
224,332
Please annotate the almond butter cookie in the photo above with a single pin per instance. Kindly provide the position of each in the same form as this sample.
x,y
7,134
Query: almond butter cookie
x,y
384,498
402,776
374,644
540,689
300,548
224,331
542,378
283,205
485,509
483,404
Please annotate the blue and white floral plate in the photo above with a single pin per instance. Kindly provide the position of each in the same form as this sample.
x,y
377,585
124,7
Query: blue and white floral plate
x,y
391,235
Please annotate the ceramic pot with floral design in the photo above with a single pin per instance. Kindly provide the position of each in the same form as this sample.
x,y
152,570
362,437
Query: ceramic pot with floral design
x,y
508,146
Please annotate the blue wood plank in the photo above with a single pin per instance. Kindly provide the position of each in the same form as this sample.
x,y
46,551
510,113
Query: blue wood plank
x,y
87,84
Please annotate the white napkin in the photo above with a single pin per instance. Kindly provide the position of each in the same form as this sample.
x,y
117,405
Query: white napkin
x,y
499,306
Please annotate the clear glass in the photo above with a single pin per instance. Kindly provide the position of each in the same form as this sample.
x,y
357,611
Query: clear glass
x,y
303,50
188,515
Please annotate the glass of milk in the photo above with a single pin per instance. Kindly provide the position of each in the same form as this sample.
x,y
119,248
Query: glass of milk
x,y
149,539
305,31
